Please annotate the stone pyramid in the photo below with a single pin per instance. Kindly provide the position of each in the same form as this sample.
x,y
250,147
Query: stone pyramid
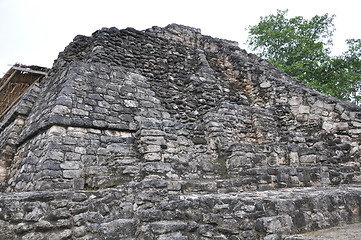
x,y
170,134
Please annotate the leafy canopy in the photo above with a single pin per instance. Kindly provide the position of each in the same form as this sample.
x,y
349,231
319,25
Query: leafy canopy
x,y
301,48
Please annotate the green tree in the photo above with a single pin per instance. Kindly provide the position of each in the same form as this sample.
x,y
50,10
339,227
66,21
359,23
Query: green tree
x,y
301,48
341,75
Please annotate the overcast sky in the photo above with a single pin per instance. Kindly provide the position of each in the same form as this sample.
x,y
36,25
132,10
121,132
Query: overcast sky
x,y
33,32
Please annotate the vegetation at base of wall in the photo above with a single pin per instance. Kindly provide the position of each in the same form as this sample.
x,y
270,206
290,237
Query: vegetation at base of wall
x,y
301,48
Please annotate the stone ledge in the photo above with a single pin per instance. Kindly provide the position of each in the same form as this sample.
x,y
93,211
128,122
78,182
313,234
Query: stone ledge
x,y
275,214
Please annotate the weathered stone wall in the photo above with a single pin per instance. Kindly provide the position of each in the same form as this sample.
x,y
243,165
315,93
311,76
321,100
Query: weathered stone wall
x,y
11,127
154,210
185,126
84,125
197,108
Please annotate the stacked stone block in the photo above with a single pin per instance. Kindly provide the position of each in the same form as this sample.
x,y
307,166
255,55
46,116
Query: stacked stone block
x,y
126,213
170,134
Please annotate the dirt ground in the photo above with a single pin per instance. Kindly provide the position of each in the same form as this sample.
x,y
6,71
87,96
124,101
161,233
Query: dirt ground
x,y
346,232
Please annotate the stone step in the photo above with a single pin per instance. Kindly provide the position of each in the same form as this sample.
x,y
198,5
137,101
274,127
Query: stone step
x,y
256,179
151,213
270,215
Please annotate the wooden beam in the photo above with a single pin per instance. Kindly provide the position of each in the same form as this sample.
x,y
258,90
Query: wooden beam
x,y
13,87
7,81
29,70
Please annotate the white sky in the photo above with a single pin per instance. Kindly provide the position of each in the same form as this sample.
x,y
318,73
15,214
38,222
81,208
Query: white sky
x,y
33,32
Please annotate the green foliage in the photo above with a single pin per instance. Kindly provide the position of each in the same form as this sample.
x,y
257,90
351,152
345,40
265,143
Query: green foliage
x,y
300,47
341,75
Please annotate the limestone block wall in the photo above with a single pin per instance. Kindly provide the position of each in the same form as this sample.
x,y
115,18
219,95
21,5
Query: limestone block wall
x,y
11,127
124,104
126,213
169,134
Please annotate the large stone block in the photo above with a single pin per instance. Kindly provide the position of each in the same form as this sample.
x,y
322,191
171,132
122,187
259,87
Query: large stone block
x,y
118,229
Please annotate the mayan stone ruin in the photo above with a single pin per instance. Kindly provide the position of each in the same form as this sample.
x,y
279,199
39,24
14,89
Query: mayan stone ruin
x,y
168,134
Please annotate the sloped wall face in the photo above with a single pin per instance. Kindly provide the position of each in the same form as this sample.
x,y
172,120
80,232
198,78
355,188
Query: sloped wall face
x,y
81,134
9,136
73,158
182,106
11,127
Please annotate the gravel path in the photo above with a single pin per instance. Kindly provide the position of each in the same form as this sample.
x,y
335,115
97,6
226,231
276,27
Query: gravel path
x,y
346,232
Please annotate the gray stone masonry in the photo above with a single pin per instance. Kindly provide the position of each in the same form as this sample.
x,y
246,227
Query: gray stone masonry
x,y
151,209
170,134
